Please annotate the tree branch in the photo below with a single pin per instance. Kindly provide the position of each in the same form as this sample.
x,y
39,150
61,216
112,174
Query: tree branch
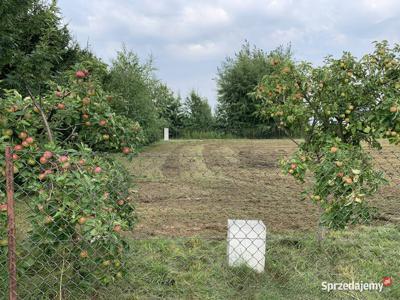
x,y
42,114
71,135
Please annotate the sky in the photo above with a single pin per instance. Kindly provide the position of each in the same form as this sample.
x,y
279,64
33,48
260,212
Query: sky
x,y
189,40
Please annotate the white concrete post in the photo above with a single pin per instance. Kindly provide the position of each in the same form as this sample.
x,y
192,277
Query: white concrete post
x,y
166,134
246,244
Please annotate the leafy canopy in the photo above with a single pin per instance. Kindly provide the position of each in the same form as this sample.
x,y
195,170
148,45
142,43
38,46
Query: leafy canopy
x,y
237,77
341,105
198,112
34,44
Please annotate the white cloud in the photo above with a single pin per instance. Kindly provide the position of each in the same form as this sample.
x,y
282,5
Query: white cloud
x,y
195,51
186,35
204,15
381,7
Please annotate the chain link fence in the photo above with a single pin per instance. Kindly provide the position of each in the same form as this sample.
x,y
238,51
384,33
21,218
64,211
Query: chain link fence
x,y
165,234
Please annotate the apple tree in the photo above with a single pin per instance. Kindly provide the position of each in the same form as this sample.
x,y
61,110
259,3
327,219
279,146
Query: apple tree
x,y
78,113
343,107
78,197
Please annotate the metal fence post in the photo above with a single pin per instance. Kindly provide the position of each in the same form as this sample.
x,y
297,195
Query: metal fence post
x,y
12,265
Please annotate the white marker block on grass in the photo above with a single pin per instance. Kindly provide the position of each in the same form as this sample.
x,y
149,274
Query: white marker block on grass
x,y
246,243
166,134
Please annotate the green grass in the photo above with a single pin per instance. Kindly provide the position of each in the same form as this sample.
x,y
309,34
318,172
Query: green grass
x,y
254,132
194,268
205,134
295,268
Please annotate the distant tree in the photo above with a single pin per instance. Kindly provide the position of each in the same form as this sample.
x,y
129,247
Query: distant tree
x,y
198,112
169,107
132,81
34,44
239,76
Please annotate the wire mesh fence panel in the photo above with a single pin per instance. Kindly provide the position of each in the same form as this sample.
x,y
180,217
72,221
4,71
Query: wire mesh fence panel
x,y
156,227
71,210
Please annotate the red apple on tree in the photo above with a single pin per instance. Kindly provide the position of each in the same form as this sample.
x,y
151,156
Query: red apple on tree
x,y
80,74
97,170
59,94
126,150
23,135
348,180
29,140
66,165
61,106
102,122
86,101
43,160
48,154
3,207
13,109
63,159
117,228
84,254
18,147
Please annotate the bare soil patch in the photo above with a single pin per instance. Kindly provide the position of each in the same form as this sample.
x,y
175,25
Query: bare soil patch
x,y
191,188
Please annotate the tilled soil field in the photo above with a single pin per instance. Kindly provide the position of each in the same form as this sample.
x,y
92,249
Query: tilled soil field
x,y
191,187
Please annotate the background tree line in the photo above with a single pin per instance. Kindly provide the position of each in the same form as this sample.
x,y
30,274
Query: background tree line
x,y
36,48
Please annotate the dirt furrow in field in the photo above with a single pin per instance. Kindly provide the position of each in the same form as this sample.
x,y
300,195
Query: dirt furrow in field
x,y
189,188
